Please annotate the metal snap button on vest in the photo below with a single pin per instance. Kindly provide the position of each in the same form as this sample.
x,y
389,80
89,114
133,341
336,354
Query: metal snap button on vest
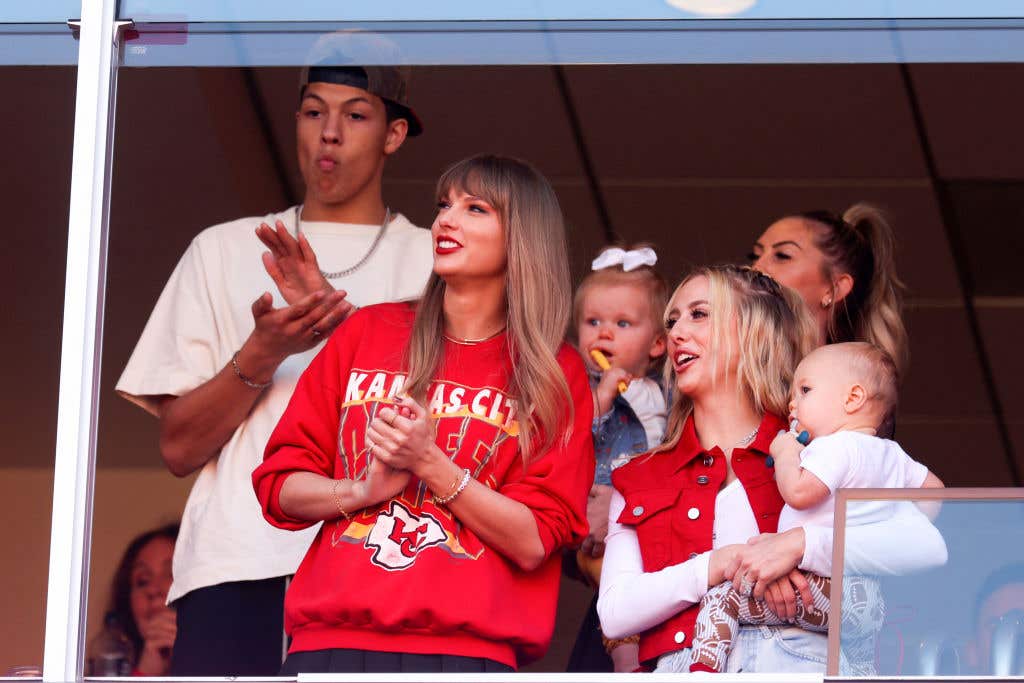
x,y
693,555
693,513
703,479
638,510
679,637
769,461
708,461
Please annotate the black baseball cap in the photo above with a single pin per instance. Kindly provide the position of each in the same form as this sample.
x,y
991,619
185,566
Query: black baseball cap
x,y
390,83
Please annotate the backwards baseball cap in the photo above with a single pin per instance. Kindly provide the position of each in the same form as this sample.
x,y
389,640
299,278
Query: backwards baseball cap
x,y
333,59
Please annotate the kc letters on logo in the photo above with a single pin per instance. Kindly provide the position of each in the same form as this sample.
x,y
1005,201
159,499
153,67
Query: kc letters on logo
x,y
472,425
399,535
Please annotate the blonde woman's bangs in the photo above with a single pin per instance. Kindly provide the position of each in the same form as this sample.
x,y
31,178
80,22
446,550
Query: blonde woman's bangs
x,y
481,180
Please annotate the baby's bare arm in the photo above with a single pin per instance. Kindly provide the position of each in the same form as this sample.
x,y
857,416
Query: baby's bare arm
x,y
799,488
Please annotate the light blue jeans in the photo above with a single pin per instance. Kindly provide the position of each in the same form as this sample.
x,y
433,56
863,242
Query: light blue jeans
x,y
763,649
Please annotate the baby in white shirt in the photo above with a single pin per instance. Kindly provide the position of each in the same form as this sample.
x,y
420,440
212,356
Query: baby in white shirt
x,y
841,394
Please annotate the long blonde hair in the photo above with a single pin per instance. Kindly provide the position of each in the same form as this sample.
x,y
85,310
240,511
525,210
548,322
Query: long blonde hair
x,y
861,243
774,331
537,290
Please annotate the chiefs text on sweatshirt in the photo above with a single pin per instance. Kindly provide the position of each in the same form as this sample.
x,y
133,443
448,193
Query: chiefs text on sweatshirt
x,y
405,575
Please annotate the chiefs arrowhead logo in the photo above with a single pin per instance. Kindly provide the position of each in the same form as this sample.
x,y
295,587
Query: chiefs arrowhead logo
x,y
398,536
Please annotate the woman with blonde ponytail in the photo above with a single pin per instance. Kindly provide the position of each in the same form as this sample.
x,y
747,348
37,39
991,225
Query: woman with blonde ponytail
x,y
844,269
446,446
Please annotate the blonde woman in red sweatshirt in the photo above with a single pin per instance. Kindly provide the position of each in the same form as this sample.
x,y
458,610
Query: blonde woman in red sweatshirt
x,y
446,446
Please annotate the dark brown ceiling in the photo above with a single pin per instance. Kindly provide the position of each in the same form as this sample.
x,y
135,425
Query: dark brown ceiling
x,y
697,159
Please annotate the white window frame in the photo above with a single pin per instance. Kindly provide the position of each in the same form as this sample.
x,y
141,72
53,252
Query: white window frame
x,y
81,344
81,347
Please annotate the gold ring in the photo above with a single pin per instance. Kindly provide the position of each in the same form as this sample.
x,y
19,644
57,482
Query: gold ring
x,y
391,422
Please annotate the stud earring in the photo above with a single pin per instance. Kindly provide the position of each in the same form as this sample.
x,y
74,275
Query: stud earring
x,y
826,302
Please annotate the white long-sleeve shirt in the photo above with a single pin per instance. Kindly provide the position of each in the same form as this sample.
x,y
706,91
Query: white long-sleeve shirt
x,y
631,600
904,544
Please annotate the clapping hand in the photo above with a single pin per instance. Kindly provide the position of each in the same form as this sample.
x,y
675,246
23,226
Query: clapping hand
x,y
401,436
293,267
281,332
382,482
291,263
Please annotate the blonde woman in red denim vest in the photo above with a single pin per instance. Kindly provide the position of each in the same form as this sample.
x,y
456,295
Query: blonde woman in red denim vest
x,y
681,513
703,508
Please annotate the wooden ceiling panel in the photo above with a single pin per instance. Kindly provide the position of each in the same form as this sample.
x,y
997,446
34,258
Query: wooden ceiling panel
x,y
945,375
695,223
960,453
1001,325
513,110
973,113
747,121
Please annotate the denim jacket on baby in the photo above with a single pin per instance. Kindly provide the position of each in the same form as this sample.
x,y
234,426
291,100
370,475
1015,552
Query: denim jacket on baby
x,y
617,432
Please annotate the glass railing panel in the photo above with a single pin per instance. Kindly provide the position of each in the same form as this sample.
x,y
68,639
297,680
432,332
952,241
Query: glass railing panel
x,y
932,597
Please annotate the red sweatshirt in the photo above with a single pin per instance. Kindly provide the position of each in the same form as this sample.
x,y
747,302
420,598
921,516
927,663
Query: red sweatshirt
x,y
406,576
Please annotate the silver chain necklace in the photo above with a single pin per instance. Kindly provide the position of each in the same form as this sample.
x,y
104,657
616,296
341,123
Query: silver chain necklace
x,y
748,438
366,257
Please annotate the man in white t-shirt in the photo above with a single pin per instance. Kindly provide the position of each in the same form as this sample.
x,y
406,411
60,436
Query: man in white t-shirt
x,y
218,368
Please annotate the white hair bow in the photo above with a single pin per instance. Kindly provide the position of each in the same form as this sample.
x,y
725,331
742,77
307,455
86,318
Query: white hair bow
x,y
634,258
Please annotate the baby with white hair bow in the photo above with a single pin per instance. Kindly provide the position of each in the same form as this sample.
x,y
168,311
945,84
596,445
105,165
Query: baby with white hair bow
x,y
629,260
617,314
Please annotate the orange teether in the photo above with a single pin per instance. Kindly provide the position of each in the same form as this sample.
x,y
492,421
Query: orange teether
x,y
603,363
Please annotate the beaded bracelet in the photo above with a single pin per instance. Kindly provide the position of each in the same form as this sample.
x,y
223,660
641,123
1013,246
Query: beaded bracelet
x,y
337,500
245,380
457,487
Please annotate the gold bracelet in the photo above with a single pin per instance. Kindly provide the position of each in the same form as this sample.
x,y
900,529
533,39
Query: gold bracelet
x,y
457,487
337,500
451,489
612,643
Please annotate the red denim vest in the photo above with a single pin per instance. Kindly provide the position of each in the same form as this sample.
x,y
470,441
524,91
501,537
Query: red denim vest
x,y
670,500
